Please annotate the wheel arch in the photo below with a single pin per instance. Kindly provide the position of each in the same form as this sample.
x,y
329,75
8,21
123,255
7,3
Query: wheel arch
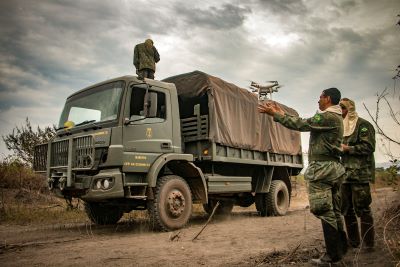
x,y
181,165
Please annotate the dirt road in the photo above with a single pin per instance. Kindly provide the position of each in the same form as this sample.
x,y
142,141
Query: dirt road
x,y
241,239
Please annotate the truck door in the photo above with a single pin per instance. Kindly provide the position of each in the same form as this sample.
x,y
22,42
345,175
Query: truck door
x,y
147,126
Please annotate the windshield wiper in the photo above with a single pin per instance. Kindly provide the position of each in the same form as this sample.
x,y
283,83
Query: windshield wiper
x,y
61,128
85,122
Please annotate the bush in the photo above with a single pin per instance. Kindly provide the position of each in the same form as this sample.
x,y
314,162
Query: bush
x,y
388,177
22,140
14,174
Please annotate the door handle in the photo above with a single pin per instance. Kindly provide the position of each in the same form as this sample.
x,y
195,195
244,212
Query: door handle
x,y
165,145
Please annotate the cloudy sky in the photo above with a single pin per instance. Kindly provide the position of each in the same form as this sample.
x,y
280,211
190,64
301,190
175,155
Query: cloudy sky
x,y
50,49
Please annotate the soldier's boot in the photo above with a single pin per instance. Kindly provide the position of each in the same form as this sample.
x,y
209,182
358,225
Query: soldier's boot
x,y
367,231
352,230
333,253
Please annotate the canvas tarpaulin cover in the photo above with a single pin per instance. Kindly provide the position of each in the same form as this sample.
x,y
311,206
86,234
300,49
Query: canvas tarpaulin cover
x,y
233,117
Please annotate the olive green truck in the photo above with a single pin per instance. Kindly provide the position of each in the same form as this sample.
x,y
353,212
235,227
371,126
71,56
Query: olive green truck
x,y
128,144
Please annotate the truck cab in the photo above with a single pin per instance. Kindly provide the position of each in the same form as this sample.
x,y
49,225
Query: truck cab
x,y
114,140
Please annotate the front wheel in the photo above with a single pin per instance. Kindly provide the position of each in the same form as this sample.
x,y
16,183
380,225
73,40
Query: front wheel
x,y
172,204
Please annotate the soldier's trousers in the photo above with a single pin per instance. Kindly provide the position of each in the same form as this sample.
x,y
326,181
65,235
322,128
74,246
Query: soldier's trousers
x,y
356,198
145,73
324,179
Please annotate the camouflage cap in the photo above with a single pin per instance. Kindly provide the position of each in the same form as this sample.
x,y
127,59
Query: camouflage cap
x,y
348,104
149,42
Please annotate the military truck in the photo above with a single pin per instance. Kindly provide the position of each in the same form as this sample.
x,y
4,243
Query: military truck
x,y
128,144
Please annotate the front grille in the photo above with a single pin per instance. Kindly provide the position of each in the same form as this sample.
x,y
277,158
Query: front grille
x,y
40,158
59,153
84,152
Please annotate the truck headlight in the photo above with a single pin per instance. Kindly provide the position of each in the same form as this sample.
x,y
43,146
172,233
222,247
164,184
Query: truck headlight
x,y
106,184
98,184
103,183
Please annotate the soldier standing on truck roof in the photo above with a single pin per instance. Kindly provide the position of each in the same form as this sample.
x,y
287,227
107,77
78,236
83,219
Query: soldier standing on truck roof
x,y
358,159
145,57
324,173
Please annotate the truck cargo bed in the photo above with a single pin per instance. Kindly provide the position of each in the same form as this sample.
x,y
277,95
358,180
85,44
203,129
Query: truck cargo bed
x,y
196,142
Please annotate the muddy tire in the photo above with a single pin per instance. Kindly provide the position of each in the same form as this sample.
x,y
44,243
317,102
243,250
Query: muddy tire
x,y
260,200
102,214
277,199
224,208
172,204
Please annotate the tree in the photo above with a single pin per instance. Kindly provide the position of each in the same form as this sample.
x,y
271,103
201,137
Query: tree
x,y
22,140
387,100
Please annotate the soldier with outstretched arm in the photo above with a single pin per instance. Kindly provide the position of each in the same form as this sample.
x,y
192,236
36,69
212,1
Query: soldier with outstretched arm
x,y
358,159
324,173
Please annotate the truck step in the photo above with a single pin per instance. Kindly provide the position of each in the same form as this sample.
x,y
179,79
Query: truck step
x,y
137,197
136,184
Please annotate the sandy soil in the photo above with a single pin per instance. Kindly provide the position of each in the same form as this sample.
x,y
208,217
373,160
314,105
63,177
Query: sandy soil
x,y
241,239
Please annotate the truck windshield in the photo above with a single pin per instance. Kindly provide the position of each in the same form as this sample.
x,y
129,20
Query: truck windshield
x,y
97,104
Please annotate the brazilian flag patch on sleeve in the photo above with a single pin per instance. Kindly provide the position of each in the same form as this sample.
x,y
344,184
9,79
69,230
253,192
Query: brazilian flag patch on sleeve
x,y
364,131
317,118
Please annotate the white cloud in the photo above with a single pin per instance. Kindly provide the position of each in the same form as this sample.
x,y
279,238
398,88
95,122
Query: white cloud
x,y
50,49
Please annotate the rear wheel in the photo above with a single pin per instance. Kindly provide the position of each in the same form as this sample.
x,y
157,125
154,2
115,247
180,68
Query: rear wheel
x,y
278,198
224,208
102,214
172,204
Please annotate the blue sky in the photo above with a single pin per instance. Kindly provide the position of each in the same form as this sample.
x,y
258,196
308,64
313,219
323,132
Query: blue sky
x,y
50,49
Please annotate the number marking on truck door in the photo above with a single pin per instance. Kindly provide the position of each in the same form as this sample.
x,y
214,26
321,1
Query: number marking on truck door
x,y
149,132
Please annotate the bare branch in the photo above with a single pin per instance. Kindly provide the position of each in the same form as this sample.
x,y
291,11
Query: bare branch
x,y
380,131
375,118
392,113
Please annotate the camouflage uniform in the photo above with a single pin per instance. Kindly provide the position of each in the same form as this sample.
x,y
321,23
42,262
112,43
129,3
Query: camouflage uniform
x,y
324,173
355,192
145,57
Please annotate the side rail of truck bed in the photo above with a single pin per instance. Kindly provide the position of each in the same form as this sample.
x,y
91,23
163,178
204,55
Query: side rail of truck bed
x,y
195,137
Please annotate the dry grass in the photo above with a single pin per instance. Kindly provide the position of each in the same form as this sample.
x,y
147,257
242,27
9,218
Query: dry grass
x,y
24,207
389,226
14,174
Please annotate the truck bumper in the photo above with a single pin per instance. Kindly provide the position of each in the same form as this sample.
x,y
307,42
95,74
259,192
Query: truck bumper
x,y
105,185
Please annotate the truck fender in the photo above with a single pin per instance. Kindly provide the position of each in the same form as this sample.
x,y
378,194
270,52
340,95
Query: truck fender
x,y
181,164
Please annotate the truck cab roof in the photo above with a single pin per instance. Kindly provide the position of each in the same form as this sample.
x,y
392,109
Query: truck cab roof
x,y
127,79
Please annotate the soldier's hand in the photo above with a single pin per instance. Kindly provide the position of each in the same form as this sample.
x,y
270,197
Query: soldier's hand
x,y
269,108
345,148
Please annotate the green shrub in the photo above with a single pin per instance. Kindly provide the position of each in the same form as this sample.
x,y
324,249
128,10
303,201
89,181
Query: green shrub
x,y
15,174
